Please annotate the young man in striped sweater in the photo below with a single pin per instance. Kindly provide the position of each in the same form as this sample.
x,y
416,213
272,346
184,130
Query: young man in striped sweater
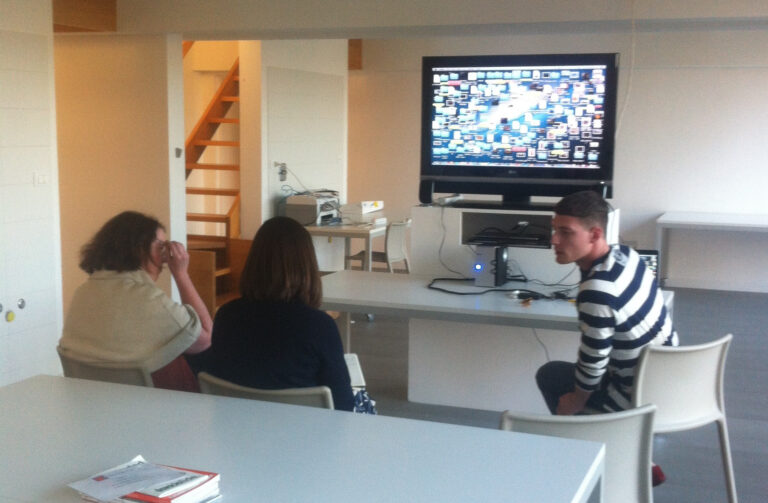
x,y
621,310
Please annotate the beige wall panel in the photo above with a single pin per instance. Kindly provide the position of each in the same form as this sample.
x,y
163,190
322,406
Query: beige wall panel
x,y
112,103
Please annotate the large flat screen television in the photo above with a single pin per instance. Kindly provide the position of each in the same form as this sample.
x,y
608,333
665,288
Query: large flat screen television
x,y
518,125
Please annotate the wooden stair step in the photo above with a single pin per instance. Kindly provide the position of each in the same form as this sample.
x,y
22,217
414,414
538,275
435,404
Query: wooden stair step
x,y
225,120
216,143
230,99
212,192
207,217
222,271
203,242
223,167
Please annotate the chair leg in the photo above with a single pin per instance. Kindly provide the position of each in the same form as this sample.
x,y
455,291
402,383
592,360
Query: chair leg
x,y
725,452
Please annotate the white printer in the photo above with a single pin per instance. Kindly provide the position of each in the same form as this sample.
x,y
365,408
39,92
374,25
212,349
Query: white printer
x,y
313,208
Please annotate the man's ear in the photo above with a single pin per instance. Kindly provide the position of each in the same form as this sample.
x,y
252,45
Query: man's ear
x,y
595,234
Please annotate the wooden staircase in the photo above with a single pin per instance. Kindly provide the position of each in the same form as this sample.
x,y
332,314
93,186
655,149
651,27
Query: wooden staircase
x,y
207,247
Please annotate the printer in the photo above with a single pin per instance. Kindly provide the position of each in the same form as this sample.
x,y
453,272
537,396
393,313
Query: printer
x,y
313,208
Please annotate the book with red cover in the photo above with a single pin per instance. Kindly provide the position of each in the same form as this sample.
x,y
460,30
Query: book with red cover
x,y
201,491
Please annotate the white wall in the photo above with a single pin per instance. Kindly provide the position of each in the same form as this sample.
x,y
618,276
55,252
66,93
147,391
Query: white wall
x,y
250,138
304,98
691,131
304,125
116,138
30,257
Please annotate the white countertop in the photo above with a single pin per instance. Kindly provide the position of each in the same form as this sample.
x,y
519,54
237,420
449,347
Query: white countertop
x,y
56,430
407,295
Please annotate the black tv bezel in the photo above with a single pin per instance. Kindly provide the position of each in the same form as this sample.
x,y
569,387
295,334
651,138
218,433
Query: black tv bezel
x,y
518,183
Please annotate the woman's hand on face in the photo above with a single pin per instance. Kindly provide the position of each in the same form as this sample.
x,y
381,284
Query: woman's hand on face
x,y
178,258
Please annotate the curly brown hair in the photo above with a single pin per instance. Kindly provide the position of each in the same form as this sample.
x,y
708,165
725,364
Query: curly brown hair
x,y
281,265
122,244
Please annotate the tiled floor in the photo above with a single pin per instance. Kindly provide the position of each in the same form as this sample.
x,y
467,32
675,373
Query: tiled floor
x,y
691,459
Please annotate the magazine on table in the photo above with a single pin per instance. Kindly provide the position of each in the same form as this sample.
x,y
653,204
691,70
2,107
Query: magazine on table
x,y
141,481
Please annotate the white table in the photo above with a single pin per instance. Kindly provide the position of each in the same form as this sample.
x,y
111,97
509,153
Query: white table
x,y
407,295
702,221
475,351
55,430
479,351
363,231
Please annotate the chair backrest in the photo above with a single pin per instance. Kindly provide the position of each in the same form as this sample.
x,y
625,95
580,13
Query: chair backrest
x,y
627,436
315,396
685,383
395,246
121,373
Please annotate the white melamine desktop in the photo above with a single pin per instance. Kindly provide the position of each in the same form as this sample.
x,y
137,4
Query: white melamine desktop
x,y
703,221
476,351
56,430
407,295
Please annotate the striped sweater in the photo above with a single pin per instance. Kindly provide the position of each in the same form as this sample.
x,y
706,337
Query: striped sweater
x,y
620,311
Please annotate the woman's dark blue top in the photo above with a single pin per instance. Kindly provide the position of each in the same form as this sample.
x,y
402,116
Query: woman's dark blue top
x,y
275,345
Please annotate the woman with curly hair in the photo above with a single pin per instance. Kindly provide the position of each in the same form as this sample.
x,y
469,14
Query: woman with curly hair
x,y
120,315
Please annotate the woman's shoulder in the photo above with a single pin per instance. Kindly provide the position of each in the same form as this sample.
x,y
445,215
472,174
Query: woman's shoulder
x,y
236,308
311,312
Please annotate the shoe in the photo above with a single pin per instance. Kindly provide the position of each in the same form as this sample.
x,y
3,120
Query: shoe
x,y
657,476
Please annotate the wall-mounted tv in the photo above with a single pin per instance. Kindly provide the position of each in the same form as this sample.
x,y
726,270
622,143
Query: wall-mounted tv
x,y
518,125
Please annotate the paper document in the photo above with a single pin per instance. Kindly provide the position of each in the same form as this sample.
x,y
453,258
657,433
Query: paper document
x,y
126,478
355,372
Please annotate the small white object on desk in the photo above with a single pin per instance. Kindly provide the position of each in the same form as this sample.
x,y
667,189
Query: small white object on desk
x,y
356,210
369,206
355,371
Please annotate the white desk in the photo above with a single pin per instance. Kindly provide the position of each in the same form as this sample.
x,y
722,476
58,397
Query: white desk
x,y
348,232
55,430
702,221
479,351
407,295
466,351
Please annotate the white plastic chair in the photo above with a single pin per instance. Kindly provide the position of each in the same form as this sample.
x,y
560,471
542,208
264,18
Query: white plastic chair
x,y
120,373
627,436
315,396
686,384
394,247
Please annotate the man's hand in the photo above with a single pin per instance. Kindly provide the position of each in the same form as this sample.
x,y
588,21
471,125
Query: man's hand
x,y
573,402
178,258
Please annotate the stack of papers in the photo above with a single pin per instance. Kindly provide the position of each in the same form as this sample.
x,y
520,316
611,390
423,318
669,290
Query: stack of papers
x,y
141,482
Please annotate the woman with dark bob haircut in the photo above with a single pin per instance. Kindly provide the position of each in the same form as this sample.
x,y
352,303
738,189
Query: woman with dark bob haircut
x,y
274,336
120,315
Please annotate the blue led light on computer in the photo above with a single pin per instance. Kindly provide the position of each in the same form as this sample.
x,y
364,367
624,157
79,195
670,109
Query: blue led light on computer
x,y
478,267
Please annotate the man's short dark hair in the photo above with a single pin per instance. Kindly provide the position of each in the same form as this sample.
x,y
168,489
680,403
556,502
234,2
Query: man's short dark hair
x,y
122,244
588,206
